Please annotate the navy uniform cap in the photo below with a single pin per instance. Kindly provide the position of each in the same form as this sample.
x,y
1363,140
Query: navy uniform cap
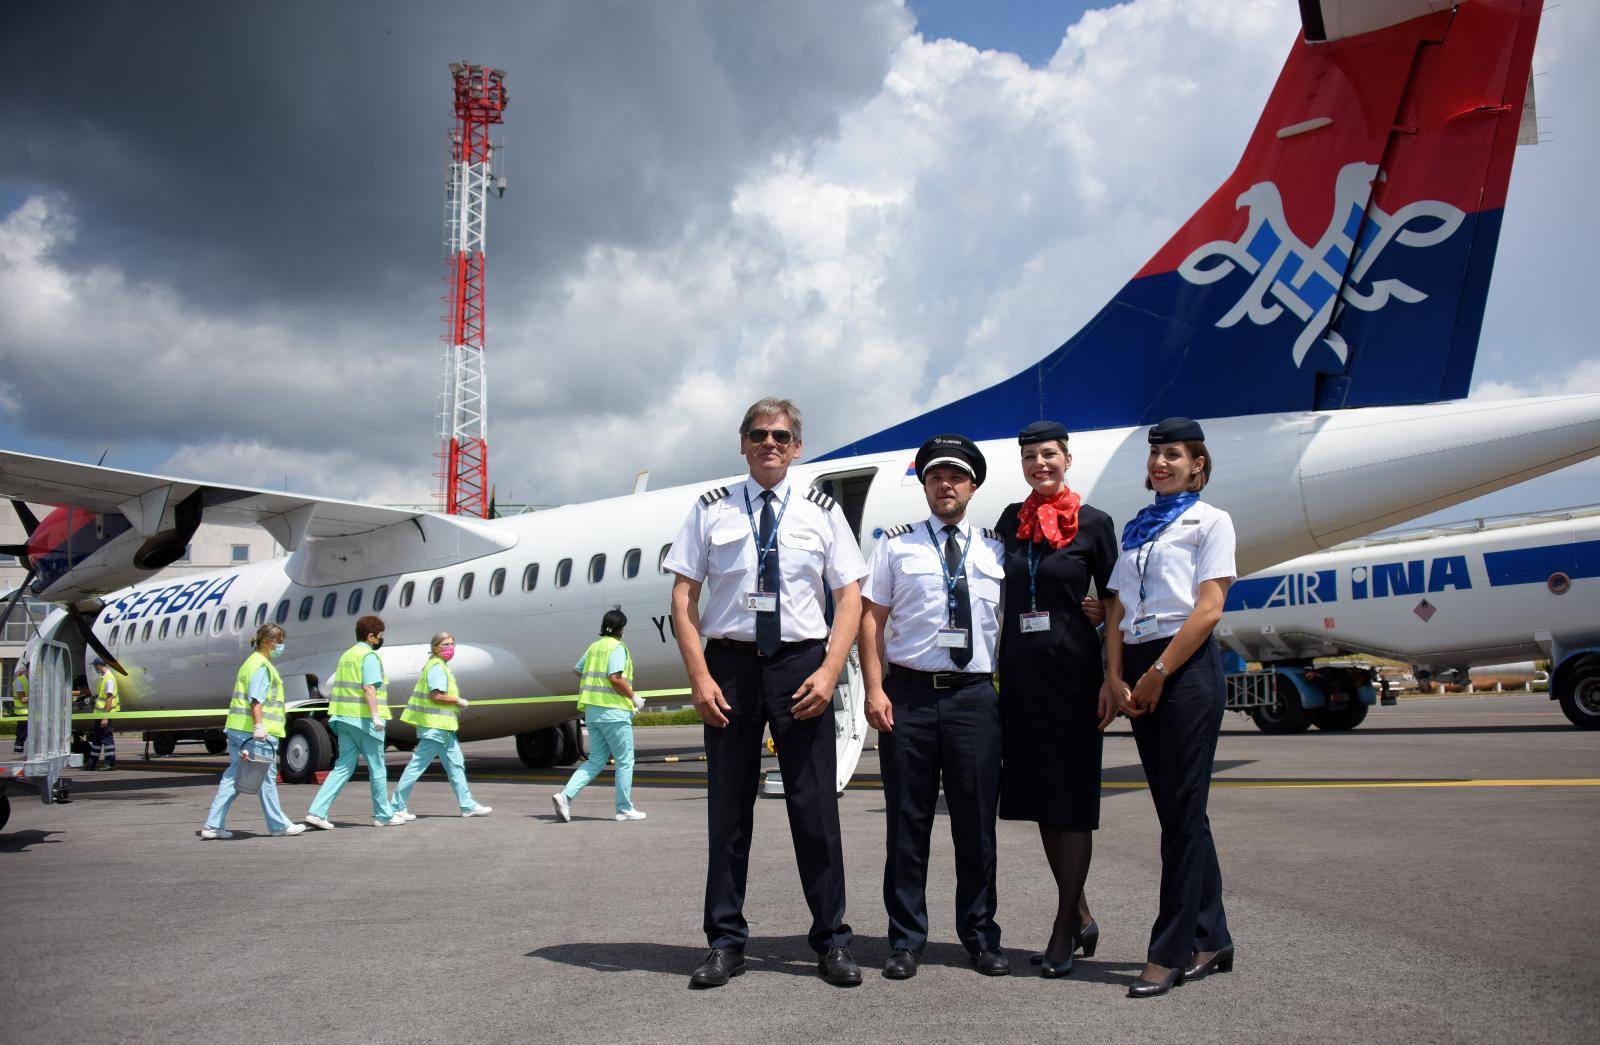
x,y
1177,430
952,449
1042,432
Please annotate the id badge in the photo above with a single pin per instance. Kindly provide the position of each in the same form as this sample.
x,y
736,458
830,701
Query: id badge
x,y
952,638
1143,628
1038,620
761,601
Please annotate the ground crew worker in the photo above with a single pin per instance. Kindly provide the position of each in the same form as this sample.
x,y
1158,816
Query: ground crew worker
x,y
107,701
932,616
357,710
606,697
769,556
19,704
435,711
256,717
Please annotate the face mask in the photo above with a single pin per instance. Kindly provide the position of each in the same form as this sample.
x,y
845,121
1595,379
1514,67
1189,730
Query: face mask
x,y
447,653
277,651
376,645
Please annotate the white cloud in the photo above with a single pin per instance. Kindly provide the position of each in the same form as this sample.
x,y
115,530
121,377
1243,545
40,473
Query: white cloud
x,y
1583,376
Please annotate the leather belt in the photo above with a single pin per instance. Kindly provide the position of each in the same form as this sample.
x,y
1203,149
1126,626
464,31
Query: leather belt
x,y
750,647
940,679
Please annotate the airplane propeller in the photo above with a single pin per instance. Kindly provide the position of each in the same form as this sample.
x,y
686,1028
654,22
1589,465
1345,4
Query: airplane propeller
x,y
84,626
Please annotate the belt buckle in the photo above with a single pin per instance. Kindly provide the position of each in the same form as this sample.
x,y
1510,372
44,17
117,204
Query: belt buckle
x,y
938,679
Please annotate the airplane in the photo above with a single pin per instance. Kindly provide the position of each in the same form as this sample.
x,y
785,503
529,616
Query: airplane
x,y
1320,312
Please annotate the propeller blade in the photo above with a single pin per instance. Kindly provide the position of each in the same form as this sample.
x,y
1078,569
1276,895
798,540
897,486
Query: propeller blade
x,y
19,550
16,597
86,629
30,522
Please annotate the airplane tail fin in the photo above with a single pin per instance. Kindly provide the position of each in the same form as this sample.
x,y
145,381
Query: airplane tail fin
x,y
1345,261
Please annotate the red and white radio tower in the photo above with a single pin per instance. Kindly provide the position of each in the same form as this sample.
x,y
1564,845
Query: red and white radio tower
x,y
480,98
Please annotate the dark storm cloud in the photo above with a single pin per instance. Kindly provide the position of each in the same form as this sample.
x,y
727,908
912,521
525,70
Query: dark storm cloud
x,y
293,152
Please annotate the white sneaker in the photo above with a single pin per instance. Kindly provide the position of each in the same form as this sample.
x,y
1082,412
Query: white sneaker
x,y
214,832
477,810
394,821
632,814
563,806
317,821
403,817
292,829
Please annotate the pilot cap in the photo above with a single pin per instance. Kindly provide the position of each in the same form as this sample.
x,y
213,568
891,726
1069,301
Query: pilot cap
x,y
99,663
952,449
1042,432
1177,430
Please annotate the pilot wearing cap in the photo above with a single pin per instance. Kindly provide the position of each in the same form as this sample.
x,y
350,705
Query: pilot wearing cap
x,y
930,622
770,554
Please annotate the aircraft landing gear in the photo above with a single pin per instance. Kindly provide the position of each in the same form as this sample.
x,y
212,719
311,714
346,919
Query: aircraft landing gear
x,y
541,748
307,750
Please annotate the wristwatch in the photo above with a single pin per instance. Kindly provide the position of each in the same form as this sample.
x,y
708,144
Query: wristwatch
x,y
1160,668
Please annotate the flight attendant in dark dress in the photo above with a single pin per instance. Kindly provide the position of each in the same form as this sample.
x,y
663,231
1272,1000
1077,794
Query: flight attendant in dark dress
x,y
1050,677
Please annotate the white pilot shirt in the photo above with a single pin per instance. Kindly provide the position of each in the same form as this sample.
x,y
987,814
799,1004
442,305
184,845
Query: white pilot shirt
x,y
717,546
906,575
1197,546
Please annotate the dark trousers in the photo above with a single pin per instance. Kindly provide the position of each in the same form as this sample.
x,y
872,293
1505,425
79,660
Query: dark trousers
x,y
954,733
102,742
22,737
1177,744
760,692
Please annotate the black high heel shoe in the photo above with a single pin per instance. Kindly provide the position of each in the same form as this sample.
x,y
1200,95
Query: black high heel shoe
x,y
1143,988
1088,940
1220,961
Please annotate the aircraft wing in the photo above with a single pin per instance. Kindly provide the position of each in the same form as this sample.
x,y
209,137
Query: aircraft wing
x,y
145,499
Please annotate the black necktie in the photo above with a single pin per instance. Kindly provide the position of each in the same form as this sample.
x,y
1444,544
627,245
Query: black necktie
x,y
963,609
768,625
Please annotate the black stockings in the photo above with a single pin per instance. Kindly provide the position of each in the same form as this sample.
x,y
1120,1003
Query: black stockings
x,y
1068,853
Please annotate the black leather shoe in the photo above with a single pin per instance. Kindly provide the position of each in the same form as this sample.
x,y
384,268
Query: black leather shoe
x,y
992,963
1220,961
902,965
1088,941
1143,988
719,967
838,968
1054,970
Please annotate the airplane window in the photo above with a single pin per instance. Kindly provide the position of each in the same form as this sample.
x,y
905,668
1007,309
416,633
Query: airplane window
x,y
330,603
661,560
238,618
630,563
305,607
380,596
436,590
149,623
183,626
261,614
405,593
283,612
563,573
165,627
597,568
111,639
217,623
497,581
464,589
353,607
530,577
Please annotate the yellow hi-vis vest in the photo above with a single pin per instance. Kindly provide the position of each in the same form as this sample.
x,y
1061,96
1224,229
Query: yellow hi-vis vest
x,y
107,702
19,695
596,689
272,713
426,713
349,697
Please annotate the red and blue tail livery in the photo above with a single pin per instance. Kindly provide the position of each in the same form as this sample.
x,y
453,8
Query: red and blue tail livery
x,y
1344,263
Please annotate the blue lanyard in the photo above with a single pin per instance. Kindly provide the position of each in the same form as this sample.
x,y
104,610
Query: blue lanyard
x,y
763,550
1033,577
950,579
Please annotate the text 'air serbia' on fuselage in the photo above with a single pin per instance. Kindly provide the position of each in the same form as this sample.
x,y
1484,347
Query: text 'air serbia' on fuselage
x,y
1314,311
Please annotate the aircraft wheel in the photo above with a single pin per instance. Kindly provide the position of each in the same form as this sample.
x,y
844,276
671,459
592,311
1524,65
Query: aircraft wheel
x,y
540,748
1285,714
216,743
305,751
165,744
1580,695
1338,720
5,811
572,746
403,745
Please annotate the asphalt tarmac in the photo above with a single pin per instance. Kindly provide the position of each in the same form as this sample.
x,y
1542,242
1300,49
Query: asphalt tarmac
x,y
1427,877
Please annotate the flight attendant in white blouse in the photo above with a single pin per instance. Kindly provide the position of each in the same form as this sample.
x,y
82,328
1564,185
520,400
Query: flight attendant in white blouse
x,y
1164,671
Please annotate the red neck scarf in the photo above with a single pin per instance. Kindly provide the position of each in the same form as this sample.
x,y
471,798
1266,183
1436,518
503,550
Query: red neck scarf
x,y
1054,521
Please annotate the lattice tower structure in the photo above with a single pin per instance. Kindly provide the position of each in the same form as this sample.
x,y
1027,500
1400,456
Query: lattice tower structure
x,y
480,101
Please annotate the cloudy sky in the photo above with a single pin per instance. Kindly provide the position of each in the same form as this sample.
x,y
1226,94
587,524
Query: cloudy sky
x,y
220,239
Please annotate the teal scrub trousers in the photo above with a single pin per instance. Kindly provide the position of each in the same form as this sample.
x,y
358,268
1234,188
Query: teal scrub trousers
x,y
356,744
610,736
441,744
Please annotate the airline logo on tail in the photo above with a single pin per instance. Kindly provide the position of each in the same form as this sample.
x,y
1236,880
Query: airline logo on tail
x,y
1304,280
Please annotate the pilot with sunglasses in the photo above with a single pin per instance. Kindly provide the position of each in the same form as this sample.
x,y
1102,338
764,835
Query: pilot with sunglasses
x,y
768,553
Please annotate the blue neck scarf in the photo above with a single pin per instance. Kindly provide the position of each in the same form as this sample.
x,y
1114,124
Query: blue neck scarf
x,y
1153,518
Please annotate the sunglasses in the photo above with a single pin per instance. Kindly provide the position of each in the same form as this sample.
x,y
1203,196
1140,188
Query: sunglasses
x,y
781,436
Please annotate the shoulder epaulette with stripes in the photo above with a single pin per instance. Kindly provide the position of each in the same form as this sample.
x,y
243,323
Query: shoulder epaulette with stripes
x,y
711,497
895,531
820,499
992,535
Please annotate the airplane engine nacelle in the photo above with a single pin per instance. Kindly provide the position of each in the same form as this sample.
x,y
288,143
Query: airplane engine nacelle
x,y
81,555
